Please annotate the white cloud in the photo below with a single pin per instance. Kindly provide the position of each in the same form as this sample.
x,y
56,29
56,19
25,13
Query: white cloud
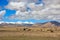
x,y
18,22
26,22
28,1
2,13
35,7
16,5
49,11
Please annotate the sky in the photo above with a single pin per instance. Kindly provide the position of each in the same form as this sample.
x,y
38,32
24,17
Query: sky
x,y
29,10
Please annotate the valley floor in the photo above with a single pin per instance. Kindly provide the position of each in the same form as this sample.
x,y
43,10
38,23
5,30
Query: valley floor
x,y
35,34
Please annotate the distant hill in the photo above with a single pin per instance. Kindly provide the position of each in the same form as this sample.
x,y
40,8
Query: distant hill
x,y
55,23
48,24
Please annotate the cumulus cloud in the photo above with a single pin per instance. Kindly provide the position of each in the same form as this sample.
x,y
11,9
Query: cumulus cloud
x,y
50,10
16,5
35,7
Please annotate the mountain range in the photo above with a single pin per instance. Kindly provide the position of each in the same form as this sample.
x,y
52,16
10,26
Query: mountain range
x,y
46,24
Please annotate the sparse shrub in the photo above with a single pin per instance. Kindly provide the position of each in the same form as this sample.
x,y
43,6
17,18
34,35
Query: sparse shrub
x,y
29,29
24,29
50,30
41,30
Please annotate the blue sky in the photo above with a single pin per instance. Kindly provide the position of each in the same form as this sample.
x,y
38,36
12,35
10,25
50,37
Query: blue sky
x,y
10,12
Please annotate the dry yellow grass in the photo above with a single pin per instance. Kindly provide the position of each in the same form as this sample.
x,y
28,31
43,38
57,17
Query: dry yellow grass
x,y
30,31
36,29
